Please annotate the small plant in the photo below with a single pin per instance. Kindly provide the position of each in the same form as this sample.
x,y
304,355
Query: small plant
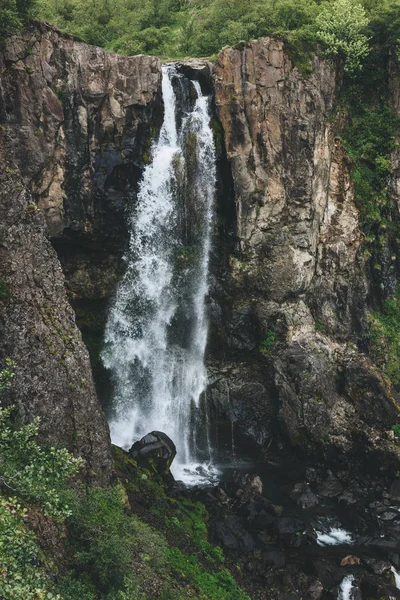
x,y
267,344
6,374
396,429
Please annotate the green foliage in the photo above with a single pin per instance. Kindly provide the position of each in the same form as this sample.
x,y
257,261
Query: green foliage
x,y
218,585
385,339
13,13
267,344
4,291
106,540
341,28
9,20
34,472
7,375
369,139
396,429
21,575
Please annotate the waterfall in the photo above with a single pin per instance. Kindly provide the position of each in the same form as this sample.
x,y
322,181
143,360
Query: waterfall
x,y
156,332
345,588
396,577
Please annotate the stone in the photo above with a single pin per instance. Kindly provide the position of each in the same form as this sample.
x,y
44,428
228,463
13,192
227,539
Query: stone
x,y
330,487
350,560
315,590
274,558
379,567
232,533
395,490
308,500
155,450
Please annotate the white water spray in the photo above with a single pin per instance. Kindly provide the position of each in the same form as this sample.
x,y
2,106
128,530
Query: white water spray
x,y
346,587
396,577
157,329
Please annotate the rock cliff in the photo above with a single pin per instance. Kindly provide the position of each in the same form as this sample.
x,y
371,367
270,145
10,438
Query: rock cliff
x,y
76,124
291,284
296,291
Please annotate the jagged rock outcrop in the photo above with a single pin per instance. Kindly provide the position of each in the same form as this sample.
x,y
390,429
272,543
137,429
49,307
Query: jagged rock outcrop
x,y
80,123
295,293
76,125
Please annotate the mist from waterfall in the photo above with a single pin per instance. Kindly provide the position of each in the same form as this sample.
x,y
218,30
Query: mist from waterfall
x,y
156,332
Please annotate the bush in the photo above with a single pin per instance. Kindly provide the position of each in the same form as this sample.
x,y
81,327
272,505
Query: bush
x,y
21,575
106,540
385,339
341,26
34,472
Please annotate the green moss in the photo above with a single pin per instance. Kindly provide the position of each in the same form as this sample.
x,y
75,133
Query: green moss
x,y
218,585
301,47
4,290
369,139
268,343
384,338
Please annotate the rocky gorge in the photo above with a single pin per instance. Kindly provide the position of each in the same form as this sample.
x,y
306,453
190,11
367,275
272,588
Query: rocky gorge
x,y
293,288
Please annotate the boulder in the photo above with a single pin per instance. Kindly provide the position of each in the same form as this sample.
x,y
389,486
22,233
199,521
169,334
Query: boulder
x,y
155,451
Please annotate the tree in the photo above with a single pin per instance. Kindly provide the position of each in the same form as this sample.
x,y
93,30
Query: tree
x,y
9,20
341,26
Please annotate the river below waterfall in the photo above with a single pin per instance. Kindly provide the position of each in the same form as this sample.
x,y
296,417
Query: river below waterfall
x,y
309,523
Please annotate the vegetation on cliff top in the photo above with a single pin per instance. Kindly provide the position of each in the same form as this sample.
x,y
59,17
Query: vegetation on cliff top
x,y
177,28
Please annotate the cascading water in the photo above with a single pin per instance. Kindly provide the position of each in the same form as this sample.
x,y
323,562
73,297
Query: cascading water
x,y
346,587
157,328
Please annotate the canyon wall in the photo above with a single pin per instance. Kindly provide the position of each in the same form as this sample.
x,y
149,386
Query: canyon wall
x,y
291,284
286,359
76,124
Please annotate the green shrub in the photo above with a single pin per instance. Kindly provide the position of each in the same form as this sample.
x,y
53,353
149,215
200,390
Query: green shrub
x,y
384,338
35,472
396,429
22,576
340,26
218,585
106,540
267,344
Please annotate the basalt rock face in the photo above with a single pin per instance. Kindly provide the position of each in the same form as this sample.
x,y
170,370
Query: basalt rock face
x,y
80,122
294,298
76,126
53,378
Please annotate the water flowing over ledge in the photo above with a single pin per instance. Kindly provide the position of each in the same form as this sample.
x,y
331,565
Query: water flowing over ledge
x,y
156,332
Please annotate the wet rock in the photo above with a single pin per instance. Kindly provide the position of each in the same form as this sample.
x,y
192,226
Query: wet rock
x,y
308,500
246,487
389,515
379,567
274,558
290,530
395,490
176,488
330,487
347,498
315,590
221,495
155,451
233,534
298,489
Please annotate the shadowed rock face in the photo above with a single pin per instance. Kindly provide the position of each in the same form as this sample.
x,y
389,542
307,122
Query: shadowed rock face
x,y
76,127
296,289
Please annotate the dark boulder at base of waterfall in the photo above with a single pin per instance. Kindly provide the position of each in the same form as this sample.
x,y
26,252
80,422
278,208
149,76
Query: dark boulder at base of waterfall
x,y
155,451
